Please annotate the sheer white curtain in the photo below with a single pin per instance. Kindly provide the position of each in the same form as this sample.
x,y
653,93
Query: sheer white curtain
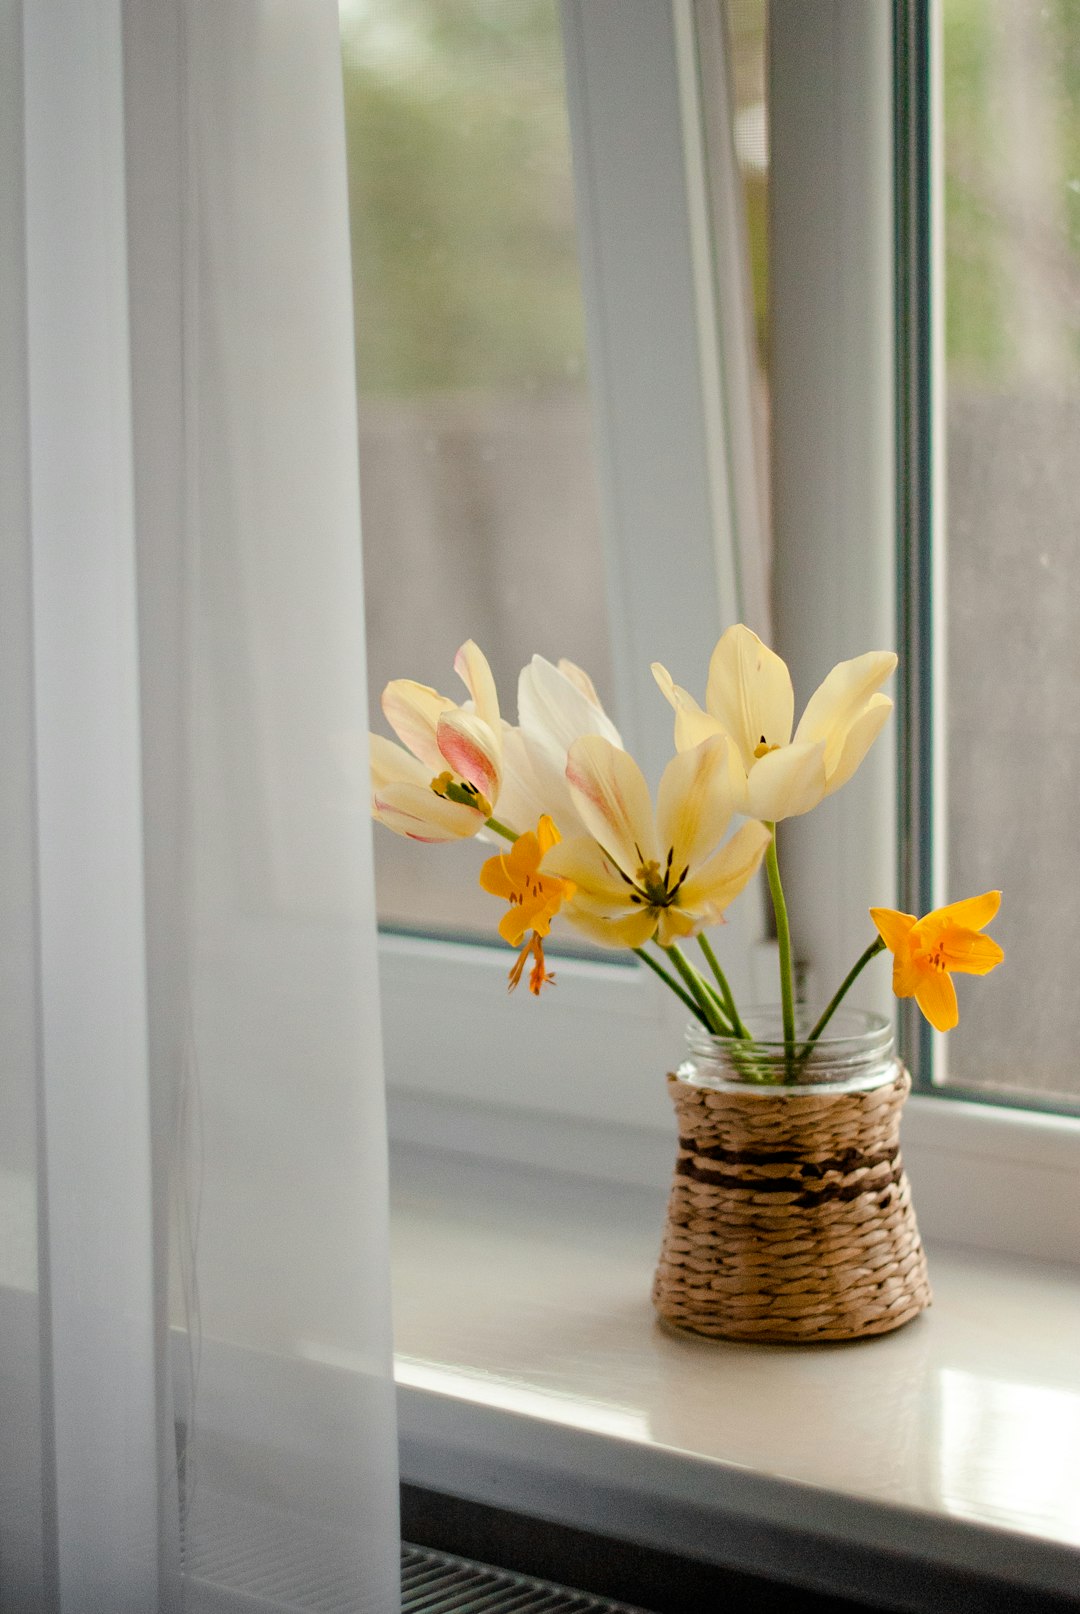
x,y
196,1406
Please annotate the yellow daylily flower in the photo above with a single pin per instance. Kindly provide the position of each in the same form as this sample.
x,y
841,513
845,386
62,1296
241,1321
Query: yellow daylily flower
x,y
534,898
557,704
749,698
926,951
638,875
444,786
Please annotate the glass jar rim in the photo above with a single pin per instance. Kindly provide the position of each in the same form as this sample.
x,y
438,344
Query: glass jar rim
x,y
863,1055
860,1030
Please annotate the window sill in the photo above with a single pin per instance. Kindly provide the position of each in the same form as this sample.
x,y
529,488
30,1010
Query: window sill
x,y
935,1467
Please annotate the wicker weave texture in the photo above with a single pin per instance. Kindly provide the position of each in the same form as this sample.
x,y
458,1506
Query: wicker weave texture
x,y
790,1217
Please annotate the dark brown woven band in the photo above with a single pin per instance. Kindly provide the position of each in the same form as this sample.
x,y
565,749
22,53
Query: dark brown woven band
x,y
794,1185
847,1161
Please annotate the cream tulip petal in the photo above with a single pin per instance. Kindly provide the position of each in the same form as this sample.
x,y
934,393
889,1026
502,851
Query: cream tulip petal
x,y
552,791
786,782
472,750
520,799
612,800
599,883
716,884
392,764
413,712
841,699
697,799
416,811
581,680
857,742
633,931
674,924
749,692
692,725
471,666
553,708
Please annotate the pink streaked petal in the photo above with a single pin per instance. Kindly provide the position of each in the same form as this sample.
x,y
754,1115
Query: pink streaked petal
x,y
612,800
470,747
416,811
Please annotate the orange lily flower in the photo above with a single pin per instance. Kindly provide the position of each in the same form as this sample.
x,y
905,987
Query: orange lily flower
x,y
927,951
534,898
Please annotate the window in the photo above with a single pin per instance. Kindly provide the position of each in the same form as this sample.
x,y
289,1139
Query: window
x,y
1007,661
663,219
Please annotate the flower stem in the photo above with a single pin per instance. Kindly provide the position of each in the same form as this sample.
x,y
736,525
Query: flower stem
x,y
875,947
670,981
698,989
783,937
717,1002
501,829
722,982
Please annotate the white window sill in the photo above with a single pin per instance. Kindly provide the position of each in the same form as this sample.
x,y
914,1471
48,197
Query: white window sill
x,y
930,1467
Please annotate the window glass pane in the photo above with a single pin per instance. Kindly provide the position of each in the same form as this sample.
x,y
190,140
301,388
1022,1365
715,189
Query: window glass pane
x,y
748,33
1012,624
478,490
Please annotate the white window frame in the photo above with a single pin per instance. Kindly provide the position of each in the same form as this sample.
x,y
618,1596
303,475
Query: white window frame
x,y
576,1080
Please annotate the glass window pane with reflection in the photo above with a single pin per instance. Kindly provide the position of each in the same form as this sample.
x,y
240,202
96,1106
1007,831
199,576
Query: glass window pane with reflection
x,y
1012,619
478,488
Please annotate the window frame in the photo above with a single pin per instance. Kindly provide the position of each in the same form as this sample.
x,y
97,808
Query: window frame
x,y
577,1081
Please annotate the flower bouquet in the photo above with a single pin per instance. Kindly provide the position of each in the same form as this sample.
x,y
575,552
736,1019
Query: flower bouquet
x,y
790,1215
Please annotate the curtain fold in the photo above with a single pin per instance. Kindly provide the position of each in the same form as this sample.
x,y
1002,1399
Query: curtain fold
x,y
196,1399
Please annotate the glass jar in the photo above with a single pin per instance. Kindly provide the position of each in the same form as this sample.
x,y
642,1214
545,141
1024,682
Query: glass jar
x,y
856,1053
790,1216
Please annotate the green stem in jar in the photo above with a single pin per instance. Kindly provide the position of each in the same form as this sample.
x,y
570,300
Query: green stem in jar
x,y
670,981
783,938
726,993
876,946
698,989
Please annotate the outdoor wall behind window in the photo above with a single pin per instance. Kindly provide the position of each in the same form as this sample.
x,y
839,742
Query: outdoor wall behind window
x,y
480,506
1012,614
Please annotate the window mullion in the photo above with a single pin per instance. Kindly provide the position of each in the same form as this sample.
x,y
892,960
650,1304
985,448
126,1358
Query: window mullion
x,y
833,413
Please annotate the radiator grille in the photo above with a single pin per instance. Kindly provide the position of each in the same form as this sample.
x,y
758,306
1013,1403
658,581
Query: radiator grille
x,y
434,1583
